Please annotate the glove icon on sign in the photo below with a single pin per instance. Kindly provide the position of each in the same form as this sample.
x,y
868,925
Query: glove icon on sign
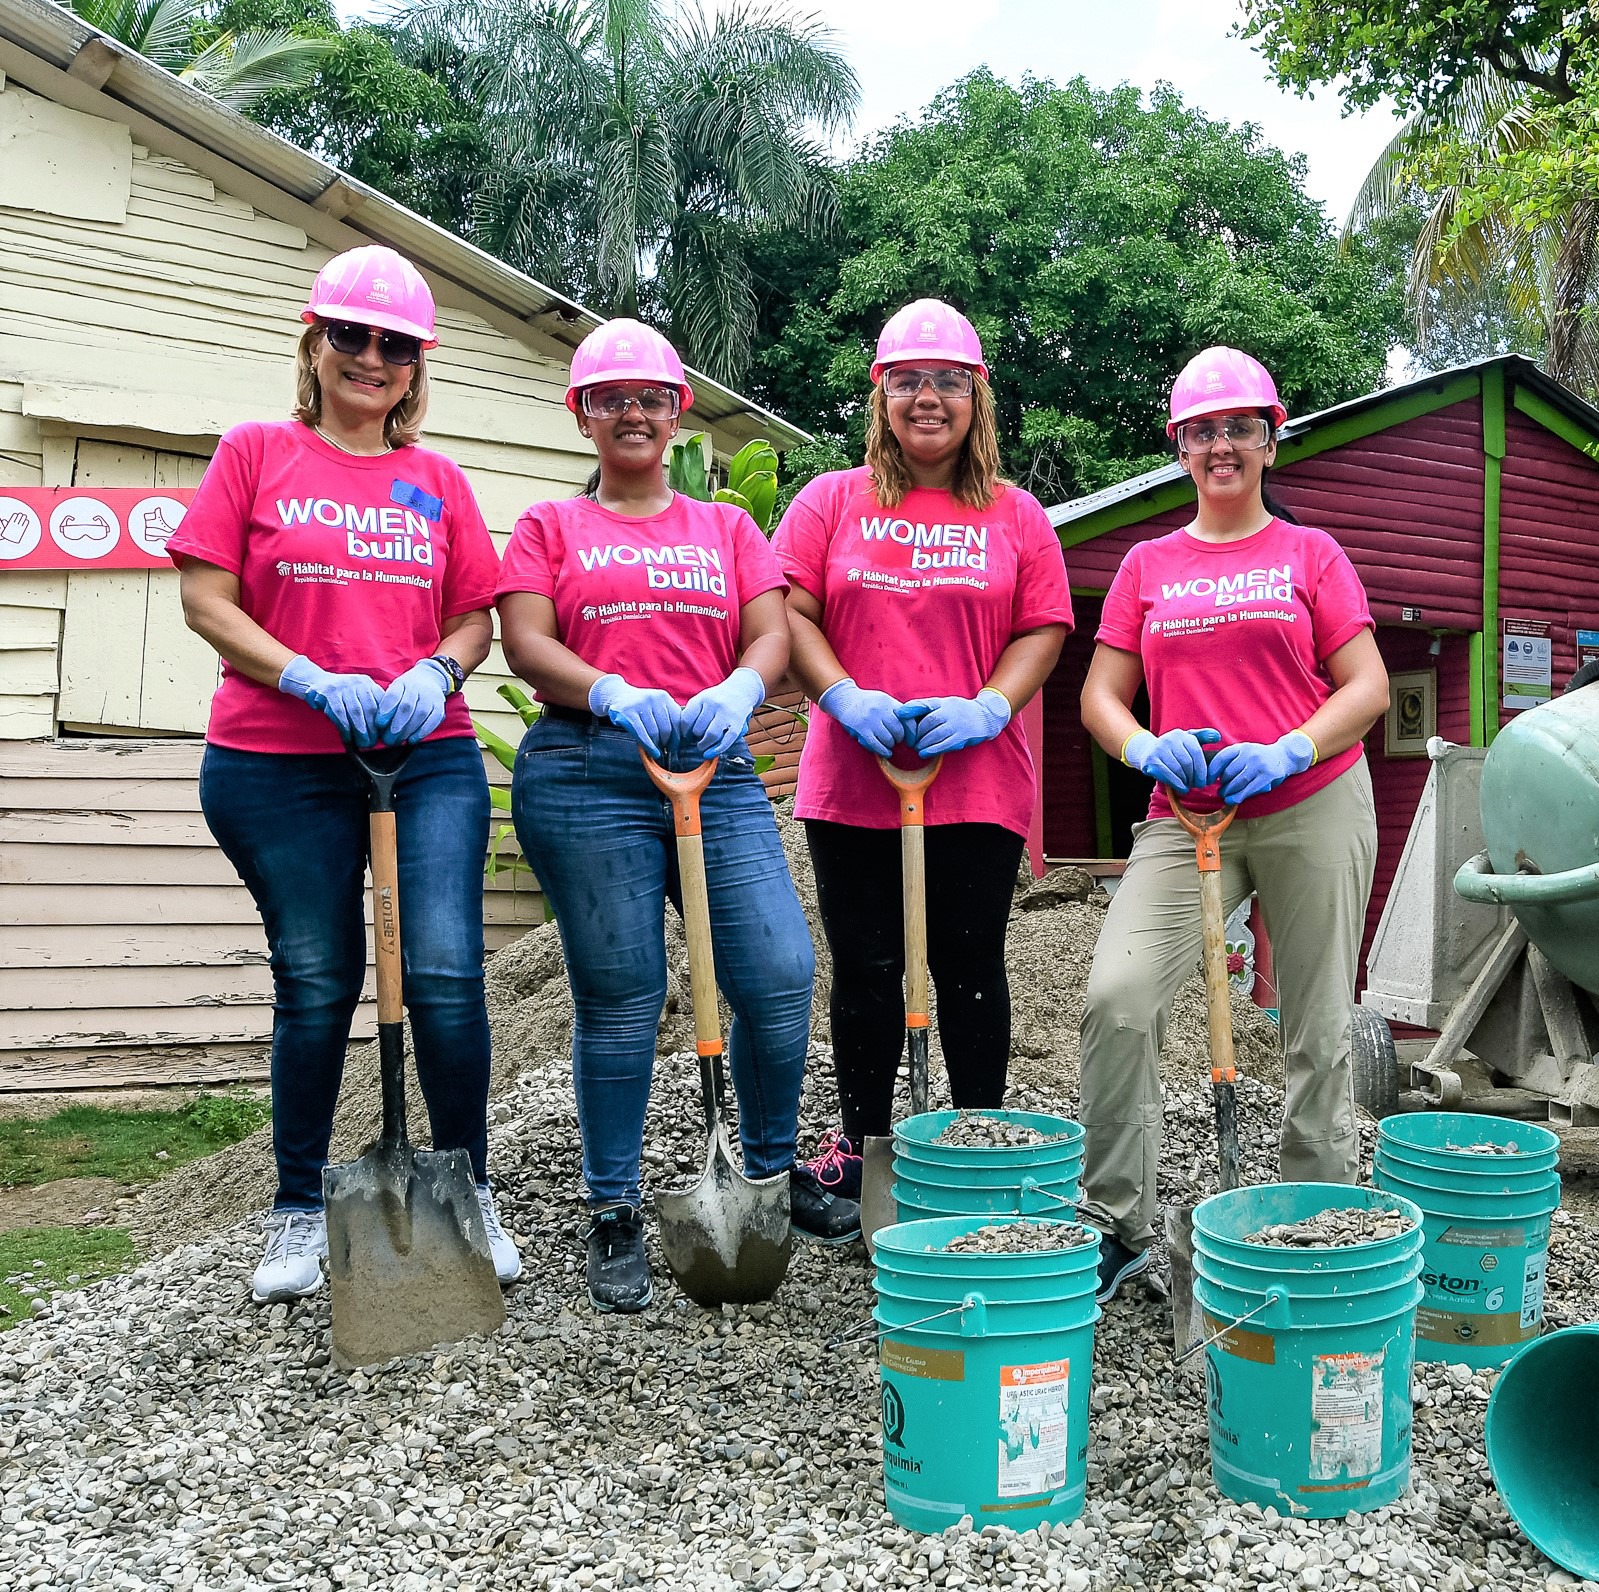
x,y
14,528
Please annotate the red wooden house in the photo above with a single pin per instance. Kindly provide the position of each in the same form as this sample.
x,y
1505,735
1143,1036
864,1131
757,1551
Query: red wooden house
x,y
1469,503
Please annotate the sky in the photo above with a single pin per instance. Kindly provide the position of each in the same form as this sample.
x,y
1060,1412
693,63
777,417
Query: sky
x,y
904,51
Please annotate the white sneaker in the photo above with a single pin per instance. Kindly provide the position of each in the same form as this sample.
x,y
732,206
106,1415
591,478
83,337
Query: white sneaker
x,y
507,1262
291,1268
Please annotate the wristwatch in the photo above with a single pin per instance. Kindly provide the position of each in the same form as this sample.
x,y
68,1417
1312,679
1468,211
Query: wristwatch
x,y
456,673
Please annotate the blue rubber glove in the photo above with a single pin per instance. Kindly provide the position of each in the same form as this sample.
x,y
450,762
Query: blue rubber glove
x,y
934,725
1176,758
649,716
870,718
1251,768
413,706
349,700
714,718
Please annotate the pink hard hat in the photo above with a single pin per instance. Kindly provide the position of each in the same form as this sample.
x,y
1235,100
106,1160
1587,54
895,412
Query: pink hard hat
x,y
373,286
624,350
1218,379
929,329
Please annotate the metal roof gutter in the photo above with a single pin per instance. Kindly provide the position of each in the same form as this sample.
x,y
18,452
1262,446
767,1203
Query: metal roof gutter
x,y
61,40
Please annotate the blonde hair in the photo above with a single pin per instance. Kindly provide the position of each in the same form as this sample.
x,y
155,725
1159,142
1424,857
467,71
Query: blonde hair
x,y
404,423
977,477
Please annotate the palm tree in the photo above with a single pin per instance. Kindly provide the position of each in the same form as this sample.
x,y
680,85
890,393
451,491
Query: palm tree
x,y
1477,263
233,68
638,147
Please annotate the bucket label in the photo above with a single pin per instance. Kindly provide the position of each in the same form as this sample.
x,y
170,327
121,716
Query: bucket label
x,y
1345,1415
1477,1329
1484,1237
1532,1290
1032,1429
909,1359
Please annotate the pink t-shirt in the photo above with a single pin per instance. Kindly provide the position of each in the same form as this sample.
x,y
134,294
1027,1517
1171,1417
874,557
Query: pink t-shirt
x,y
655,598
354,561
1234,636
920,601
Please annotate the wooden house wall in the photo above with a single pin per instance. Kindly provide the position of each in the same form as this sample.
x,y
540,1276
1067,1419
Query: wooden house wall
x,y
1548,538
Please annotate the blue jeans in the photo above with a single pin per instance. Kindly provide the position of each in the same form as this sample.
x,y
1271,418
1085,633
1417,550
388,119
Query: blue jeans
x,y
295,827
599,836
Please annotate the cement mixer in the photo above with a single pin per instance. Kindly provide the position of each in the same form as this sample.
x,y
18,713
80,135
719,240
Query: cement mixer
x,y
1491,932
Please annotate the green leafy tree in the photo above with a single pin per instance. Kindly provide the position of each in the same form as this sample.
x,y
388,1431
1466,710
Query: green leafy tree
x,y
1501,149
236,68
634,151
1096,241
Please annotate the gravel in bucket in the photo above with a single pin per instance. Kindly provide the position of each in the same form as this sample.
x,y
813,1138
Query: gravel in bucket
x,y
1019,1238
971,1130
1334,1228
1485,1148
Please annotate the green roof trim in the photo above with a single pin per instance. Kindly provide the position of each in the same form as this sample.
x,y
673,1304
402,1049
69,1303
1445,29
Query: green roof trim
x,y
1553,420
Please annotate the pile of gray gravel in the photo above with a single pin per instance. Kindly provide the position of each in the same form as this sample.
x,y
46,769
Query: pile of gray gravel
x,y
158,1430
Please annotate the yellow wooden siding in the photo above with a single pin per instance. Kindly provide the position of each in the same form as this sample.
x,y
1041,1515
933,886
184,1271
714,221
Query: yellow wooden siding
x,y
129,951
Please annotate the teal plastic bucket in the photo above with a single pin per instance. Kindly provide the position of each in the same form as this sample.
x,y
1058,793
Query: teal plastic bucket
x,y
1487,1228
1542,1441
1308,1386
934,1179
986,1364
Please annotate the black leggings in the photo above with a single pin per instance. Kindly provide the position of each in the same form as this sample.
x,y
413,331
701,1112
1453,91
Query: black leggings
x,y
971,877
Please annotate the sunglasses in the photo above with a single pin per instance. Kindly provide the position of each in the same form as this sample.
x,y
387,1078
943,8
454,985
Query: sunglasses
x,y
1242,431
611,403
903,382
350,337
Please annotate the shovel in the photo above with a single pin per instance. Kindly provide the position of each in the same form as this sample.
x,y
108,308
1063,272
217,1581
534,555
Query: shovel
x,y
1206,828
878,1207
408,1257
726,1240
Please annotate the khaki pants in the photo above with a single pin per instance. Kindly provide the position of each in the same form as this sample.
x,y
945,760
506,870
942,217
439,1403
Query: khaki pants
x,y
1311,865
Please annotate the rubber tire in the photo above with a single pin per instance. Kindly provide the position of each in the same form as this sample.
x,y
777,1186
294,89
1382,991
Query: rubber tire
x,y
1374,1063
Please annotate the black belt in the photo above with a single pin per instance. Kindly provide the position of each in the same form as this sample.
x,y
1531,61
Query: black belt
x,y
558,710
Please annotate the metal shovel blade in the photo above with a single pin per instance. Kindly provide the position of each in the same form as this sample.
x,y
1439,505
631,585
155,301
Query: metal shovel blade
x,y
1188,1323
879,1208
726,1240
408,1257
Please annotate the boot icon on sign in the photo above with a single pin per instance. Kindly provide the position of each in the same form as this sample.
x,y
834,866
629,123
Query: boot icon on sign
x,y
155,526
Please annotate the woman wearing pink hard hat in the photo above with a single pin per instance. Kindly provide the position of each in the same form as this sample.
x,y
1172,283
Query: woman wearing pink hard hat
x,y
1253,638
648,620
929,602
345,575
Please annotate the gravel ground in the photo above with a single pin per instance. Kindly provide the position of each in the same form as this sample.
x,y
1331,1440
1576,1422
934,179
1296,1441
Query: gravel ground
x,y
157,1430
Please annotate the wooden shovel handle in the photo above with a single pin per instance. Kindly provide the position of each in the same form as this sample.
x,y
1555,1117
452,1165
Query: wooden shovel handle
x,y
1207,829
911,784
684,791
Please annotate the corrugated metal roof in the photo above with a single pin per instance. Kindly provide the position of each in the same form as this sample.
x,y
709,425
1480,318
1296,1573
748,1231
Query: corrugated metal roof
x,y
62,39
1522,371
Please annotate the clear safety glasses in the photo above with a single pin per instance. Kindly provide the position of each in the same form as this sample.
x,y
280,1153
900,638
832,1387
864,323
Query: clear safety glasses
x,y
350,337
1242,431
611,403
903,381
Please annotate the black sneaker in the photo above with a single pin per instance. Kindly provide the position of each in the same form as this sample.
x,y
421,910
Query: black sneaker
x,y
1117,1264
837,1166
618,1272
818,1214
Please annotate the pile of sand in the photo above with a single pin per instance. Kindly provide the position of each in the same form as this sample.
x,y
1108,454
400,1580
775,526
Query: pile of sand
x,y
1049,950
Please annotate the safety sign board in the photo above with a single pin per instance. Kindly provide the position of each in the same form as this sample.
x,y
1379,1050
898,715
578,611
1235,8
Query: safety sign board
x,y
64,527
1528,668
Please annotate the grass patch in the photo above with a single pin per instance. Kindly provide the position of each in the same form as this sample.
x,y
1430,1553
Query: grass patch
x,y
36,1262
130,1146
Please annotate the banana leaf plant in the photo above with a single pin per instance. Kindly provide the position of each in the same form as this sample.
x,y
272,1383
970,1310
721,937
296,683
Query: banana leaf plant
x,y
751,477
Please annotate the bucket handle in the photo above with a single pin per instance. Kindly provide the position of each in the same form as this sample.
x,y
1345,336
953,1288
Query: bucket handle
x,y
1274,1296
868,1329
1031,1186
